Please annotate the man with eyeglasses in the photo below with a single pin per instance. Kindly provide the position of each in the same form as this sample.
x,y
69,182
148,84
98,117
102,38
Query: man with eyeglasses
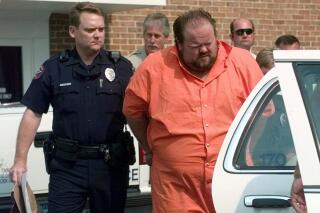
x,y
242,34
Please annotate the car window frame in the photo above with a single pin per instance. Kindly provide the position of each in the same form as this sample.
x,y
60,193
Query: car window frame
x,y
248,117
262,105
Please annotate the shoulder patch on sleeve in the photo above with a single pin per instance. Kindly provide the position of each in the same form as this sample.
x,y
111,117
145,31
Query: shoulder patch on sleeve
x,y
39,72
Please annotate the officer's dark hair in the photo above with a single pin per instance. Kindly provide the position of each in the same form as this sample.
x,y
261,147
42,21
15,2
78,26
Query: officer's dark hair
x,y
286,40
195,17
232,24
74,14
151,18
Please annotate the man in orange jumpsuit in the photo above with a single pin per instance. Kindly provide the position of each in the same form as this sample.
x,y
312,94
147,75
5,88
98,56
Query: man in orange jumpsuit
x,y
180,103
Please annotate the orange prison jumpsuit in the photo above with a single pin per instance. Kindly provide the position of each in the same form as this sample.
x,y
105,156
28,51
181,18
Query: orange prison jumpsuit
x,y
189,119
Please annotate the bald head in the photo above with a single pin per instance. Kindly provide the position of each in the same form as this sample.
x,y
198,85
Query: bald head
x,y
242,33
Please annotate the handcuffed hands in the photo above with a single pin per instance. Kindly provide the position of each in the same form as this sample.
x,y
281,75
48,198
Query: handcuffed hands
x,y
298,200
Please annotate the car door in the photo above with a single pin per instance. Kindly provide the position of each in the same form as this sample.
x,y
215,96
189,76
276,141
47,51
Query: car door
x,y
304,116
253,172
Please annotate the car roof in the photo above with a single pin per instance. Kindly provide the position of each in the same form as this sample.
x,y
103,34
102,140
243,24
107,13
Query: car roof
x,y
296,55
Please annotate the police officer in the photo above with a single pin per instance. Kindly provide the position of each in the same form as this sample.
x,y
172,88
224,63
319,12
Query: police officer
x,y
85,88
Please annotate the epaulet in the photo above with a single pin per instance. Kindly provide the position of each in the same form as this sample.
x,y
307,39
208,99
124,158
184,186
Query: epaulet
x,y
64,56
126,60
52,58
116,56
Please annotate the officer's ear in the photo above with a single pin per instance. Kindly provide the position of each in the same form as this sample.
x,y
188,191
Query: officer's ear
x,y
72,31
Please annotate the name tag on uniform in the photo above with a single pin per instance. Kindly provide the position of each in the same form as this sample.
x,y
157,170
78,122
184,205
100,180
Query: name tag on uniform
x,y
65,84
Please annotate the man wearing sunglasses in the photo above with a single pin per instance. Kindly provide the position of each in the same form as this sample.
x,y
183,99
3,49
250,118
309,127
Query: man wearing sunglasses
x,y
242,34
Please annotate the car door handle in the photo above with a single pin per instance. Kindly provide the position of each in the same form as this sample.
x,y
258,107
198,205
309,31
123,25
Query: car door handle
x,y
267,201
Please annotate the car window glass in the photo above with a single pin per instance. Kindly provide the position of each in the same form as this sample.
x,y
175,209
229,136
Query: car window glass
x,y
10,74
268,144
308,76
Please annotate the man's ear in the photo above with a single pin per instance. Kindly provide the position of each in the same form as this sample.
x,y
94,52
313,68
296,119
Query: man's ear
x,y
179,46
168,40
72,31
231,36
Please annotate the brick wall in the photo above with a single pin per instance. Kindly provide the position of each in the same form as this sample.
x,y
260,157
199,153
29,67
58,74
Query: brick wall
x,y
272,18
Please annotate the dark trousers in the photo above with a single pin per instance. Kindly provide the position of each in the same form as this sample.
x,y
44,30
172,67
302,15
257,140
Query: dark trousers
x,y
71,184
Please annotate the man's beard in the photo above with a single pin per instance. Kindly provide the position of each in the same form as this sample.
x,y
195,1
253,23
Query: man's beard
x,y
202,65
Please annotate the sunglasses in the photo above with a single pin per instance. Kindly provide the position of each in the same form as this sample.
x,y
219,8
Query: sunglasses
x,y
240,32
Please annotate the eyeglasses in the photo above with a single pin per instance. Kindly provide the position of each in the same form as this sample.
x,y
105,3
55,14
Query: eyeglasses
x,y
240,32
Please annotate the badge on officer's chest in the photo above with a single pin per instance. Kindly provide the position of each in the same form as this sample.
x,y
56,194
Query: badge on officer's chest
x,y
110,74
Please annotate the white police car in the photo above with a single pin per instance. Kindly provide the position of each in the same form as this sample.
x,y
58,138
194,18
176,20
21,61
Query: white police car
x,y
278,124
139,192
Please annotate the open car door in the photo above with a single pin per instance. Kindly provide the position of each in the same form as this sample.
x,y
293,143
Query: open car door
x,y
254,170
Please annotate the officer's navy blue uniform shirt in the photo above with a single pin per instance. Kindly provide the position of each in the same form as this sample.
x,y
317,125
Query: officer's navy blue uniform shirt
x,y
87,107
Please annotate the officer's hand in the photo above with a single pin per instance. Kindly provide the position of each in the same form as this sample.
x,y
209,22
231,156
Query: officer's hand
x,y
298,200
16,172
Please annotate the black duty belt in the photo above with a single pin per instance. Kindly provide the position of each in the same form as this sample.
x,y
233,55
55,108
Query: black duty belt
x,y
71,149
